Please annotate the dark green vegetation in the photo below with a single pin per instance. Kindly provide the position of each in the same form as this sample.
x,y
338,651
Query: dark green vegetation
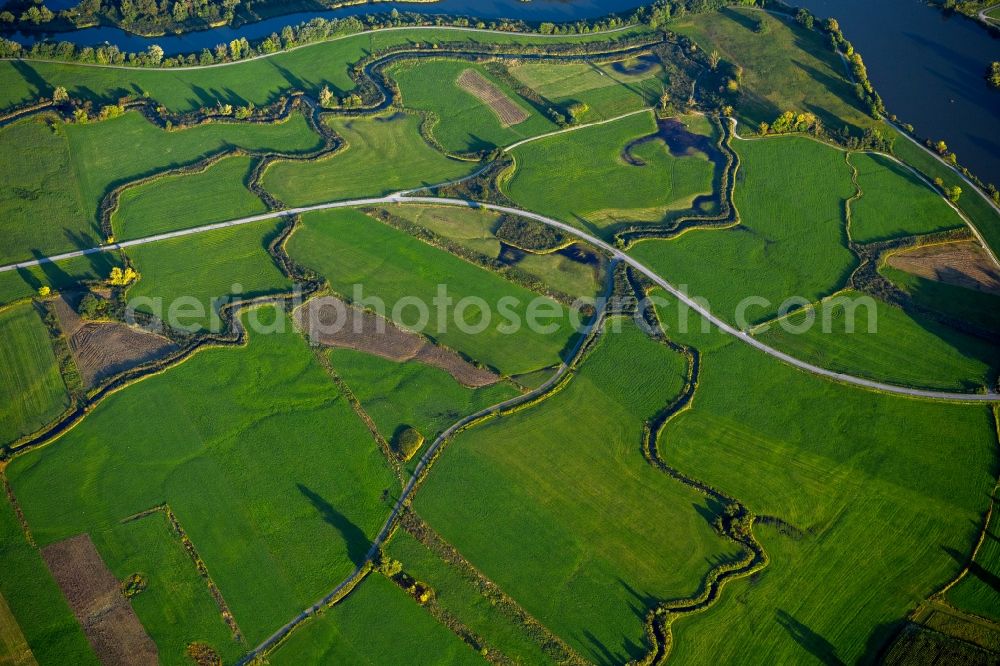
x,y
259,434
527,499
596,188
217,194
349,248
978,591
975,307
347,634
58,275
790,241
32,392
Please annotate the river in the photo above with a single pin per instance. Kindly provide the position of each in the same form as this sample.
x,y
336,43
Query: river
x,y
930,70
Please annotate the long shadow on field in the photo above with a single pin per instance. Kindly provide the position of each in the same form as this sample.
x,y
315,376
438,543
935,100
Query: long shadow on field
x,y
815,644
975,569
32,78
54,275
357,542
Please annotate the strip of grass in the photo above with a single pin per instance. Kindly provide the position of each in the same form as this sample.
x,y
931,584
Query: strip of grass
x,y
274,478
349,248
558,506
460,598
177,202
580,176
40,203
176,607
32,391
977,592
384,154
975,307
895,202
985,218
258,81
377,624
190,272
14,648
785,68
59,275
900,349
466,123
411,394
848,468
791,241
38,605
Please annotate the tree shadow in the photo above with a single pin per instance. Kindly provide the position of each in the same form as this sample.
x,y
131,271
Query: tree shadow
x,y
355,539
814,643
37,82
984,575
55,276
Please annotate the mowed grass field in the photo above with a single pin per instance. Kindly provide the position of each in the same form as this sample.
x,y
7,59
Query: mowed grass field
x,y
849,468
895,202
977,592
268,469
217,194
557,505
412,394
975,307
465,123
459,597
350,248
58,275
194,274
377,624
383,154
580,177
35,600
32,392
785,68
259,81
900,348
791,240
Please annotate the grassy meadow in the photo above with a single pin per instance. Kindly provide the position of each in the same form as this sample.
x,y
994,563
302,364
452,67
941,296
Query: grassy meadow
x,y
976,307
557,505
977,592
57,275
377,624
847,468
791,241
350,248
259,435
383,154
220,264
895,202
217,194
580,177
32,392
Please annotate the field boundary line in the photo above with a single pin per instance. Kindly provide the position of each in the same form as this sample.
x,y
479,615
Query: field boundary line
x,y
574,128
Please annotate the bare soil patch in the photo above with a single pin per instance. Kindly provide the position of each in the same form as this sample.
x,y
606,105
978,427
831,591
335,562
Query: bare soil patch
x,y
504,107
331,322
963,264
95,597
103,349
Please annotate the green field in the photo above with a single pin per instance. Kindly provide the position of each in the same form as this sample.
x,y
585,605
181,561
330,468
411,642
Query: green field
x,y
902,349
32,392
383,154
256,434
177,202
474,229
895,202
412,394
786,68
465,123
557,505
58,275
791,241
976,307
222,264
349,248
53,634
978,591
462,599
849,468
377,624
581,178
258,81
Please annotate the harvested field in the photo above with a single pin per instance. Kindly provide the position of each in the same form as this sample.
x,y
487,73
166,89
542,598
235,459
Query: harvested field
x,y
331,322
963,264
507,111
103,349
95,596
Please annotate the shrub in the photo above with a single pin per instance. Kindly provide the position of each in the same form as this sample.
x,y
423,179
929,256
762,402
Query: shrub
x,y
407,442
133,585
